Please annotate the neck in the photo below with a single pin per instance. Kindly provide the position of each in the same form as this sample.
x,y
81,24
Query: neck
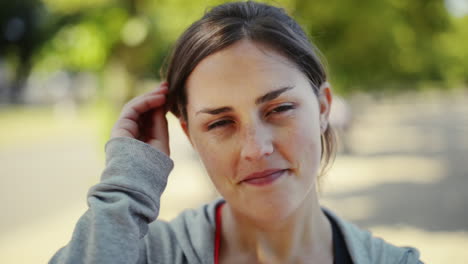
x,y
302,236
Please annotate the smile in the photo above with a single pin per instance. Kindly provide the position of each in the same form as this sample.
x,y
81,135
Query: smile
x,y
264,178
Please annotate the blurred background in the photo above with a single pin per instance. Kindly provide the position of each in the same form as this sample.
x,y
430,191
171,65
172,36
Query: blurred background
x,y
399,71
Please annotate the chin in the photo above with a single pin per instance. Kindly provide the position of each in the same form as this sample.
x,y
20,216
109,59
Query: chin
x,y
275,202
268,208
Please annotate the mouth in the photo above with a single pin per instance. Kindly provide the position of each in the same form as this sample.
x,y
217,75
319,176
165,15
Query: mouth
x,y
264,178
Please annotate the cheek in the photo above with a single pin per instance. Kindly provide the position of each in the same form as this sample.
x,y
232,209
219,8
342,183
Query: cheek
x,y
305,145
218,160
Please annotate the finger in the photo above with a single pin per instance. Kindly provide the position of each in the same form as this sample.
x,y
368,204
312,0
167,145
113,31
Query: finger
x,y
139,105
163,88
160,130
125,127
164,84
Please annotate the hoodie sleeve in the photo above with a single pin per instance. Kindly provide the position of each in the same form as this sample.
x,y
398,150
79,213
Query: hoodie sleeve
x,y
121,206
411,257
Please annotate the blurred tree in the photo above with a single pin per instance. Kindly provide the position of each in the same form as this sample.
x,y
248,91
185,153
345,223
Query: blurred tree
x,y
374,45
25,27
454,63
370,45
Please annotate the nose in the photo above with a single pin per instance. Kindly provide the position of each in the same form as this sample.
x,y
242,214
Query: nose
x,y
257,142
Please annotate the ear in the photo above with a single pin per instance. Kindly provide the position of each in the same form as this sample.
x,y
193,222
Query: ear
x,y
184,126
325,99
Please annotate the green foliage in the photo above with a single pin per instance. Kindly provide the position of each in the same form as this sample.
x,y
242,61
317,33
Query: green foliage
x,y
454,61
370,45
374,45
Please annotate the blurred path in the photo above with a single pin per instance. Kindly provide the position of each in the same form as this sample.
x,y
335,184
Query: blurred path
x,y
406,175
404,179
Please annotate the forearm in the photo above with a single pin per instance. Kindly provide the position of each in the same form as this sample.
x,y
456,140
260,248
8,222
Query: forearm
x,y
120,207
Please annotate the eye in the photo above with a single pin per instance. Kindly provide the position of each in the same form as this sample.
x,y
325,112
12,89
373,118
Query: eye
x,y
281,109
220,123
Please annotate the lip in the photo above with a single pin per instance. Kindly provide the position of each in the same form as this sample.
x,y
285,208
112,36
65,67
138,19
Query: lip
x,y
264,177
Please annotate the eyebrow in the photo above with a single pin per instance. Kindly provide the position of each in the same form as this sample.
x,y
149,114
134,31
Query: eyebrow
x,y
260,100
272,95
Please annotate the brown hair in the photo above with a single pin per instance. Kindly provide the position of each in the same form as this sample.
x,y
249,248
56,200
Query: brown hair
x,y
228,23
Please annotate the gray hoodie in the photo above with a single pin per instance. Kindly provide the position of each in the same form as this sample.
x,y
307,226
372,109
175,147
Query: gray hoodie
x,y
120,225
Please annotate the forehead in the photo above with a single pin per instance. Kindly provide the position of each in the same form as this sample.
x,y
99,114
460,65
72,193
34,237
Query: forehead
x,y
242,70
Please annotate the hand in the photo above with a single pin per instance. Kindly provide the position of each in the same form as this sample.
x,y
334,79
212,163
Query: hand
x,y
144,118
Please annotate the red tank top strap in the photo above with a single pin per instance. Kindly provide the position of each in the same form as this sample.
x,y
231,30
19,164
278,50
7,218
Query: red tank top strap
x,y
217,241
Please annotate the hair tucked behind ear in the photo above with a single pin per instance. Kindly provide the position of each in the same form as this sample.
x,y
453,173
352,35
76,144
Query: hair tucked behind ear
x,y
228,23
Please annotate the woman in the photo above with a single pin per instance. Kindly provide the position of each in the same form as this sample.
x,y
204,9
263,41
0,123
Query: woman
x,y
253,99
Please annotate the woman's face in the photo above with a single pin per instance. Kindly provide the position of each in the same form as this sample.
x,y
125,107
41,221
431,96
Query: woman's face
x,y
255,122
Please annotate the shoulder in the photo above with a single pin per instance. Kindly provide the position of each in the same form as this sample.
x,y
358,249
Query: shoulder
x,y
366,248
190,235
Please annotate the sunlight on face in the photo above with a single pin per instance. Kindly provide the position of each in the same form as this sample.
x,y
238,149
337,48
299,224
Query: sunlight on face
x,y
250,110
